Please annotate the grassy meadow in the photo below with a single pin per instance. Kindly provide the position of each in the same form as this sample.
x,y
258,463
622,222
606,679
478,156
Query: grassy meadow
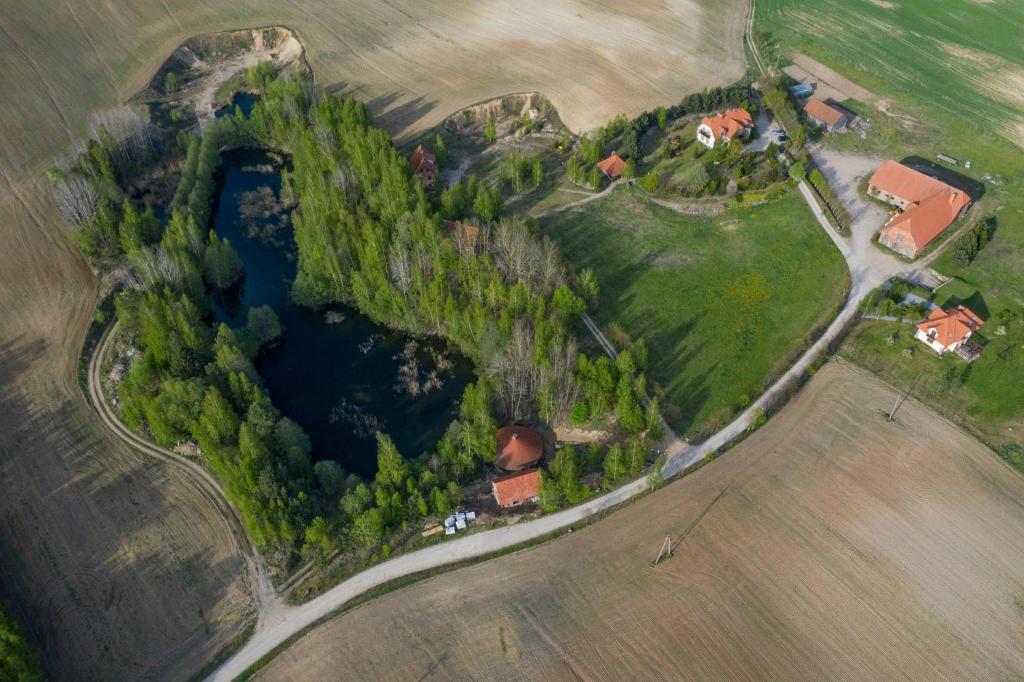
x,y
723,302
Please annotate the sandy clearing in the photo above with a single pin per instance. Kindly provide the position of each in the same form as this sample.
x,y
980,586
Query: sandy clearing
x,y
830,83
839,550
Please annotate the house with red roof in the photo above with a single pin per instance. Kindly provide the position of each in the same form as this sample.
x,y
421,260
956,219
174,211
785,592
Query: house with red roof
x,y
948,330
613,166
724,127
928,206
424,164
519,447
511,491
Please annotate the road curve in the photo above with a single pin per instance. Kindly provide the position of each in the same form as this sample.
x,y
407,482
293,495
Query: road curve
x,y
262,589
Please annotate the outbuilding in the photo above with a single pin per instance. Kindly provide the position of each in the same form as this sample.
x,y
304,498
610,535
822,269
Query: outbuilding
x,y
517,489
826,116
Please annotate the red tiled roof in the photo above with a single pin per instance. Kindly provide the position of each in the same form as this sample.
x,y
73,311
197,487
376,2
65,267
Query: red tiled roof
x,y
517,488
464,233
518,448
932,205
422,159
822,111
951,326
612,166
728,123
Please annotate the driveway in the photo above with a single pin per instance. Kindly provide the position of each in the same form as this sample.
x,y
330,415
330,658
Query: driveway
x,y
765,123
844,172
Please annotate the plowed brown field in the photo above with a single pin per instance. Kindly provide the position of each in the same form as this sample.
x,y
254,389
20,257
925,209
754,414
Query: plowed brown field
x,y
844,547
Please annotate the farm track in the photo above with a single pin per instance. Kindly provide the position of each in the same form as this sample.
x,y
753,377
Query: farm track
x,y
262,590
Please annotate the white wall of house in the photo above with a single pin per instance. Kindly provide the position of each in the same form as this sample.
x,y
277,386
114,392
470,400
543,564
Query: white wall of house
x,y
936,345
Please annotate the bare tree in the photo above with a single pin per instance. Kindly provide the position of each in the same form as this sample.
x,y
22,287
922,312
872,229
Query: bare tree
x,y
521,258
564,391
76,198
153,266
516,376
129,130
399,268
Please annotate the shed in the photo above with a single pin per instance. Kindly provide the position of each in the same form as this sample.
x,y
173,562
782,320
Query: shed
x,y
825,115
613,166
511,491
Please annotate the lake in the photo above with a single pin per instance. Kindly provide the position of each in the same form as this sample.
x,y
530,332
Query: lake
x,y
335,372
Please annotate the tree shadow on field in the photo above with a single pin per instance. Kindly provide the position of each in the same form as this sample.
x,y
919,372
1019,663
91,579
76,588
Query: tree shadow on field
x,y
98,551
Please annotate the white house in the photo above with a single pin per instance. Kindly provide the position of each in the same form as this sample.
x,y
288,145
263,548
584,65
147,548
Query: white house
x,y
724,127
948,330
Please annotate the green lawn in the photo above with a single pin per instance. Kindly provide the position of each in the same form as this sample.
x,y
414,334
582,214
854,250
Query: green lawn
x,y
986,396
723,303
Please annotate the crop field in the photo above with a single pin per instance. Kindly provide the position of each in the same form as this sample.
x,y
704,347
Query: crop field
x,y
838,550
961,57
722,302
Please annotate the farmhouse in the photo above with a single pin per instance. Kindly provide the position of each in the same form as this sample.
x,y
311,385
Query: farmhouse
x,y
424,164
928,207
724,127
510,491
824,115
518,448
950,330
612,166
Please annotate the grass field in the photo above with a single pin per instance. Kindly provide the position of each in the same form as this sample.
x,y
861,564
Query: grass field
x,y
723,303
838,550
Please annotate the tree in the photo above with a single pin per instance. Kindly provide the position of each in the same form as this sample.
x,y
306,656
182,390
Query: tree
x,y
588,285
221,265
549,496
537,172
580,413
490,132
331,478
319,540
594,178
76,198
614,466
662,117
572,168
798,171
170,82
650,182
261,327
631,143
799,137
391,468
440,149
654,424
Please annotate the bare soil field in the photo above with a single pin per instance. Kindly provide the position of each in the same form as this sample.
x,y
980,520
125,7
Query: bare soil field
x,y
119,567
843,547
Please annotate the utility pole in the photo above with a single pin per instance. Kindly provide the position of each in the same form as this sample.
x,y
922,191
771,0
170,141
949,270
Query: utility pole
x,y
666,550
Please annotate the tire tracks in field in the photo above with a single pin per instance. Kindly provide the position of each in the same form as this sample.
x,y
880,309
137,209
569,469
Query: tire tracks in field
x,y
42,79
96,52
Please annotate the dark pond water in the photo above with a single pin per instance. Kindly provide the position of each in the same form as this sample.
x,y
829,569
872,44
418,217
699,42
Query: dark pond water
x,y
243,100
335,372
